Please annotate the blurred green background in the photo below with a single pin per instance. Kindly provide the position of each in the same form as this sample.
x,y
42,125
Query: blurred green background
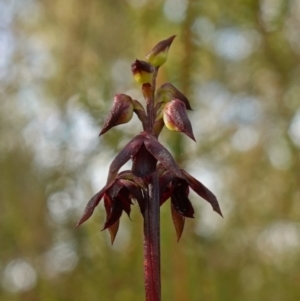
x,y
61,62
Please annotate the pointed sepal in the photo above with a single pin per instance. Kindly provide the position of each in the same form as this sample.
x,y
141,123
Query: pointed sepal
x,y
176,119
180,200
136,191
130,149
161,154
114,213
113,230
92,204
203,191
178,221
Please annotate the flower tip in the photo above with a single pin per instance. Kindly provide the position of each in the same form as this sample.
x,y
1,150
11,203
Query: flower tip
x,y
112,239
86,215
178,221
191,135
113,230
178,238
80,222
218,210
171,38
158,55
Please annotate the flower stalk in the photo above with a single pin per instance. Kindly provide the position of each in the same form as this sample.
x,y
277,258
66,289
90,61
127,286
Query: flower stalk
x,y
151,213
152,242
154,177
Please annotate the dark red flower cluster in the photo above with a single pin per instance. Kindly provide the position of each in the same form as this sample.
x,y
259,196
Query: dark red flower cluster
x,y
148,155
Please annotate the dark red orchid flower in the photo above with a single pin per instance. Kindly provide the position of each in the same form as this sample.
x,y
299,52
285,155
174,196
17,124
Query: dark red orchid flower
x,y
145,151
118,196
140,149
169,107
178,190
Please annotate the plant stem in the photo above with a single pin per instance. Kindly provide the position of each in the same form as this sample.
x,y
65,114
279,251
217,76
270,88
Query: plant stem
x,y
152,242
151,214
149,93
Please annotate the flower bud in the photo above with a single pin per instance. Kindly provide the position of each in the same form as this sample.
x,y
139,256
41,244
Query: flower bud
x,y
159,53
142,71
176,119
120,113
167,92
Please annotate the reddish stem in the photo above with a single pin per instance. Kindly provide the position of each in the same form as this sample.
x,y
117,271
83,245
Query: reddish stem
x,y
151,214
152,242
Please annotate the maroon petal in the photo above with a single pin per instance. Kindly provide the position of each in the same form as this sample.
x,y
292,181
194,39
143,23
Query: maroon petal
x,y
92,204
136,193
178,221
115,214
203,191
143,163
113,230
180,201
126,202
124,155
107,204
114,190
162,155
165,179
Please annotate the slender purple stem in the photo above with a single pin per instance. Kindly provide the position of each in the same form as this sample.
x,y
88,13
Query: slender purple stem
x,y
152,216
152,242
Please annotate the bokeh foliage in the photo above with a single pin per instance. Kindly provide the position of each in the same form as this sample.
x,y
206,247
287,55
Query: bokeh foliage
x,y
61,62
